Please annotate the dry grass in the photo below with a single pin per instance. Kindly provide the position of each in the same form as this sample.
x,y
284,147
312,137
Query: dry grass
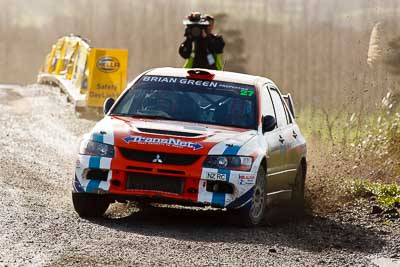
x,y
346,149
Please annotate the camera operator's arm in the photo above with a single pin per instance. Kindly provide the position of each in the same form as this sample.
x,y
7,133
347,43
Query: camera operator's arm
x,y
185,49
217,44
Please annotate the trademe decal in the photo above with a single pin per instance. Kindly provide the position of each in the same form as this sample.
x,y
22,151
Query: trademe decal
x,y
162,141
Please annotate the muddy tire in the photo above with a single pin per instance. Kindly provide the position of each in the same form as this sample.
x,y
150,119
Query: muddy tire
x,y
89,205
254,213
298,189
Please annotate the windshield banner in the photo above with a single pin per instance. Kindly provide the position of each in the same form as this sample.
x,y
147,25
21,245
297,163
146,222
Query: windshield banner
x,y
243,88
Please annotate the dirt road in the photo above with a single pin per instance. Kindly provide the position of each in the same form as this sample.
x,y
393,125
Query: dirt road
x,y
39,137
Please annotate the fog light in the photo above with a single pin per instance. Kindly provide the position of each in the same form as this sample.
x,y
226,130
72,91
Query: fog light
x,y
219,187
215,188
96,174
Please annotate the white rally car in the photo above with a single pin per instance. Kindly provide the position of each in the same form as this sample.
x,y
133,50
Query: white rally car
x,y
193,137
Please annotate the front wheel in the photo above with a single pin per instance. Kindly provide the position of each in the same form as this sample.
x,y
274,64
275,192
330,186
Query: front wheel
x,y
254,213
89,205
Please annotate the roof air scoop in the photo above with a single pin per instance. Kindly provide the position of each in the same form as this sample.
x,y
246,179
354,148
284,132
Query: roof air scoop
x,y
200,74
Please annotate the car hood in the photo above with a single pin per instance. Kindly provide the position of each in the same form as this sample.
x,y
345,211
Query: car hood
x,y
170,136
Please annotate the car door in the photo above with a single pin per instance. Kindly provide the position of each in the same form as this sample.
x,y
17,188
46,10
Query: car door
x,y
286,138
275,153
294,137
298,147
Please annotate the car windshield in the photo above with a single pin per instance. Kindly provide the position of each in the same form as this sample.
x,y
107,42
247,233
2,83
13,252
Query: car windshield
x,y
198,101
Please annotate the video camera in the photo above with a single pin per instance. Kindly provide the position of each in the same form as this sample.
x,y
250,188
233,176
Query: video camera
x,y
195,24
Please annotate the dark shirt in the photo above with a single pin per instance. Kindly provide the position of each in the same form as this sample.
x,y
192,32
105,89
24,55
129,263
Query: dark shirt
x,y
212,44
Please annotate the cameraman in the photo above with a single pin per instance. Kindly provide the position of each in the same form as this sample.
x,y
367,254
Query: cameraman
x,y
203,51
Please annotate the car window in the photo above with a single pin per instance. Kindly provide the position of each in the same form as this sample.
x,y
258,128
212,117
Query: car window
x,y
288,116
266,106
281,116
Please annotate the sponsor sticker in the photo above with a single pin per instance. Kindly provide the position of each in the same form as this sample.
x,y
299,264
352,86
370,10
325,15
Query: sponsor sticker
x,y
107,64
216,176
78,164
246,179
163,79
245,90
175,142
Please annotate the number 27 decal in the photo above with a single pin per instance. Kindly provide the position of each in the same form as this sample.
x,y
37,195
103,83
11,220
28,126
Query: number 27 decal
x,y
246,93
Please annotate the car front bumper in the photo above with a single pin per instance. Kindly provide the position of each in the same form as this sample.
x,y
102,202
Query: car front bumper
x,y
121,179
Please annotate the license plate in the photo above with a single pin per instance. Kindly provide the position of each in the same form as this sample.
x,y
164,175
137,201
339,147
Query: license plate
x,y
216,176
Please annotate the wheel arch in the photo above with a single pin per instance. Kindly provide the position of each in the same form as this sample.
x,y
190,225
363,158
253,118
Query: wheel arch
x,y
264,164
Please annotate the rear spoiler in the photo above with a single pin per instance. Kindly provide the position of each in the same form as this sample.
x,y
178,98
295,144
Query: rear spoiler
x,y
289,103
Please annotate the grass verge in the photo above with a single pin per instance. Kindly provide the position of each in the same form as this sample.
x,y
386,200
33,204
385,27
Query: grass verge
x,y
364,147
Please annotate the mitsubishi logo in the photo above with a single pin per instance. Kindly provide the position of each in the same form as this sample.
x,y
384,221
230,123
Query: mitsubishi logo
x,y
157,159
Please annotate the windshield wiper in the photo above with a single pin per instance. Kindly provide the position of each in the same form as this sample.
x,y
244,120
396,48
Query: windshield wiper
x,y
160,117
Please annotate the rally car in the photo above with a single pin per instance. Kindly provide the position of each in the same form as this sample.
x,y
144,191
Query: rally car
x,y
193,137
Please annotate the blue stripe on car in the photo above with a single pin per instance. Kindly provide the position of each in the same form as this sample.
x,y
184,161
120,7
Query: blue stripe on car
x,y
98,137
218,199
93,185
231,150
94,163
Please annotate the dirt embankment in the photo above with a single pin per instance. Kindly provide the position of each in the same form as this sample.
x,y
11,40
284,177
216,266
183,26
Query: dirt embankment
x,y
39,137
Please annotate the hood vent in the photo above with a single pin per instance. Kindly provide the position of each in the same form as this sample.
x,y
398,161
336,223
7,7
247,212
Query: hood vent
x,y
166,132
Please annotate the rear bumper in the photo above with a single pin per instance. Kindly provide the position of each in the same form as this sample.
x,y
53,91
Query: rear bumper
x,y
184,185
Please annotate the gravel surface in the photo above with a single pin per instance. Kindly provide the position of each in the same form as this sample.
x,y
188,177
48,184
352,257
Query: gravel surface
x,y
39,138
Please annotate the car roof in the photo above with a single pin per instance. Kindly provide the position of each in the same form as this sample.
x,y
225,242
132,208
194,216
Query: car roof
x,y
225,76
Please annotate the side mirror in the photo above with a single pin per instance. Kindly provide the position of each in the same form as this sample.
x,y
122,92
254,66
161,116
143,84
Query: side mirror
x,y
108,104
268,123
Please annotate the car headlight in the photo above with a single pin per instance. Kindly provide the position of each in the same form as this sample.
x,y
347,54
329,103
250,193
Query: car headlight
x,y
238,163
92,148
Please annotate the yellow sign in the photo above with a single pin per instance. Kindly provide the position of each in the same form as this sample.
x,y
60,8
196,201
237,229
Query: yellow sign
x,y
94,73
107,75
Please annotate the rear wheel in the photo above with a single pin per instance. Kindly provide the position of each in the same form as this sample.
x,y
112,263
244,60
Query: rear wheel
x,y
89,205
253,214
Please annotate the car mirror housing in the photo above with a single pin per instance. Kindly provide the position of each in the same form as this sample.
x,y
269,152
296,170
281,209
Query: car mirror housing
x,y
108,104
268,123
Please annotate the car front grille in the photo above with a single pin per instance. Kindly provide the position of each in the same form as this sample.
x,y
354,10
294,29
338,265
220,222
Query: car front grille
x,y
164,158
142,181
